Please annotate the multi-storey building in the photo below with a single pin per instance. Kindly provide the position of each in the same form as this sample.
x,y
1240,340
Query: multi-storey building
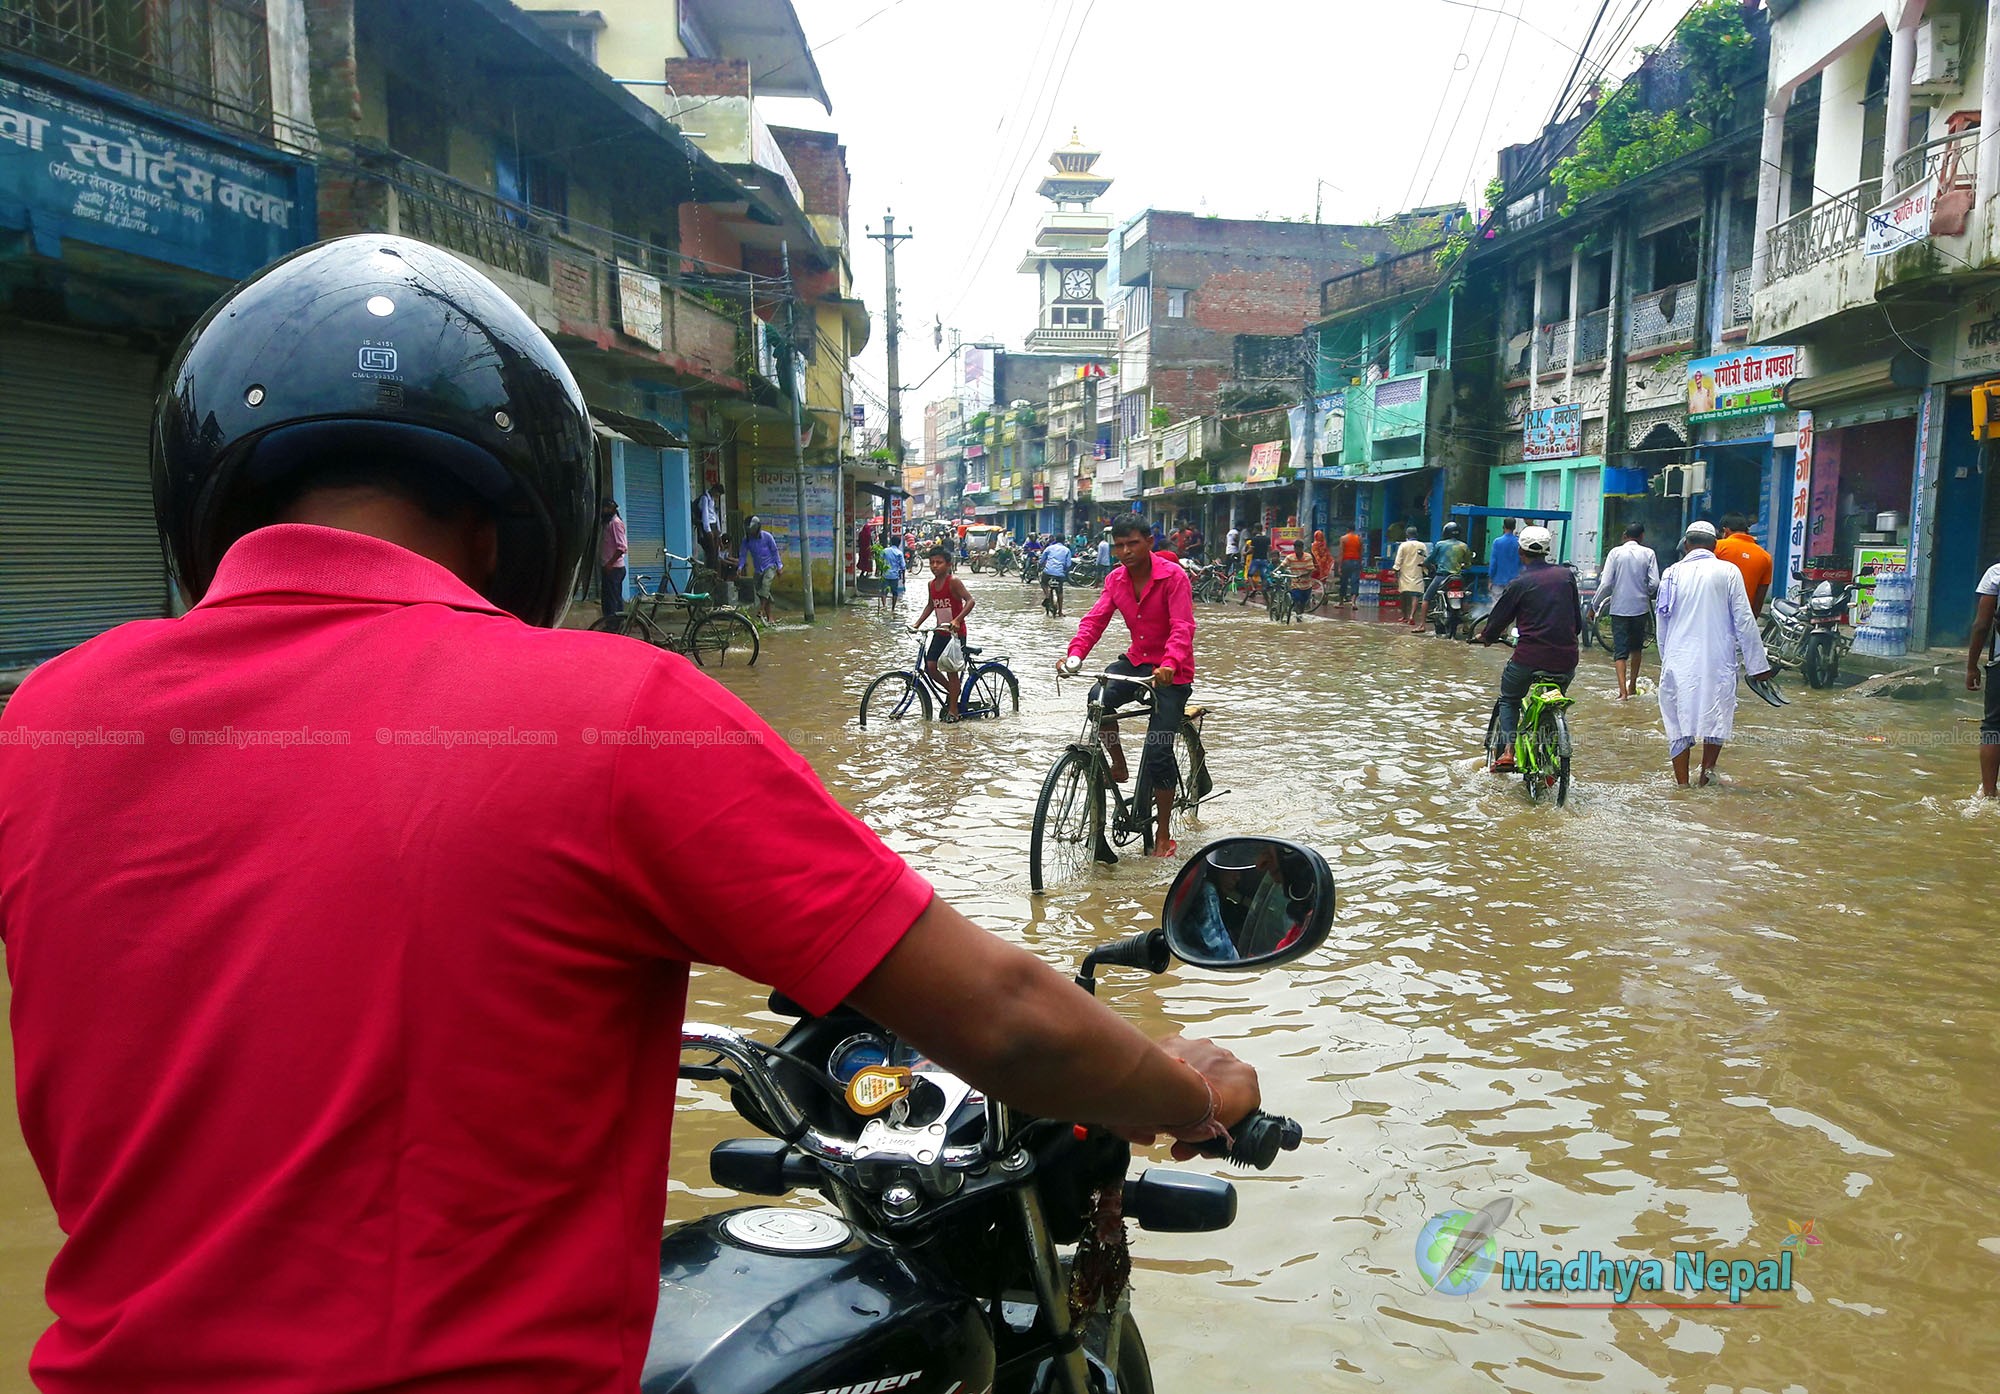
x,y
1877,254
708,66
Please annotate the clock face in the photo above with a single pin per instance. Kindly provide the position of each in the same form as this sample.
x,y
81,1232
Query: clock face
x,y
1078,284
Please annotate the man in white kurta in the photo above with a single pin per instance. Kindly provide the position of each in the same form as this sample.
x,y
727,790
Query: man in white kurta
x,y
1705,627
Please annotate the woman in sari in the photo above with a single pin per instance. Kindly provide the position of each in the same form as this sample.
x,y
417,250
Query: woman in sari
x,y
1322,557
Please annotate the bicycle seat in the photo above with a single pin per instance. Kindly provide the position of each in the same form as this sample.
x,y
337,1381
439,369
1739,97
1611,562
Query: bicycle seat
x,y
694,595
971,650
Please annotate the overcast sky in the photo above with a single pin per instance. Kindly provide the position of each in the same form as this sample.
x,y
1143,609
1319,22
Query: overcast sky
x,y
949,108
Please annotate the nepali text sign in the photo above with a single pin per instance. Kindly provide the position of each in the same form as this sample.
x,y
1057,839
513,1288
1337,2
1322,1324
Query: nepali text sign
x,y
87,170
1553,433
1904,221
639,311
1749,382
1267,459
1174,444
776,491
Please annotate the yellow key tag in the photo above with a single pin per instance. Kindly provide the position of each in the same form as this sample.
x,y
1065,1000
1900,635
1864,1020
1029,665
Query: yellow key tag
x,y
875,1087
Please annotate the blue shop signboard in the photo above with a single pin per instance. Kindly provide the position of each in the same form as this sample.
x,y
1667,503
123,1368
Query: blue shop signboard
x,y
80,165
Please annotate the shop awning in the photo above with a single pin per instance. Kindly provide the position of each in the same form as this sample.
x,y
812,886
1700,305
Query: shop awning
x,y
1384,478
882,491
637,429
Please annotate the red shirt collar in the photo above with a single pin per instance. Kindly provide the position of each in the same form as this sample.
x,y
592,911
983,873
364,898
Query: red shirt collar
x,y
300,559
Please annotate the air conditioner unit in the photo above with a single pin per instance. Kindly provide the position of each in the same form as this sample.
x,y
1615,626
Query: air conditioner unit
x,y
1940,63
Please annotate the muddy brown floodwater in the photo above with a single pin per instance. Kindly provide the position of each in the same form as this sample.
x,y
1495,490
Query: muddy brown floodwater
x,y
1654,1020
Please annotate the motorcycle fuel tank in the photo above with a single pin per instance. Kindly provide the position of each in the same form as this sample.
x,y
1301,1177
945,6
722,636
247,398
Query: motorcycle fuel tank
x,y
781,1301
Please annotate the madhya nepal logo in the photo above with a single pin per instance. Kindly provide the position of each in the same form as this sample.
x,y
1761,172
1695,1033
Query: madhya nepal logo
x,y
1460,1249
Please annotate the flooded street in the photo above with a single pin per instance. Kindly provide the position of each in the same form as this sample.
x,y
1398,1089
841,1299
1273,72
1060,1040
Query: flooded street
x,y
1654,1020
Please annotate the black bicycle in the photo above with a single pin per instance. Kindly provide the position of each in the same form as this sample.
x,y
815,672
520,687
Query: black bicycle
x,y
1073,825
687,622
990,690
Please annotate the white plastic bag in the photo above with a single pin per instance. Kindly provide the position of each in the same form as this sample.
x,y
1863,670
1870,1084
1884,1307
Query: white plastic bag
x,y
952,660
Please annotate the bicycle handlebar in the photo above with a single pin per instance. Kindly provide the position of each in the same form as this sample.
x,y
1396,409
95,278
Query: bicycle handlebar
x,y
1256,1140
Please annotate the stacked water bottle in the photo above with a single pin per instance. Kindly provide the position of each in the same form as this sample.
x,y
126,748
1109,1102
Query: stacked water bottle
x,y
1887,633
1369,594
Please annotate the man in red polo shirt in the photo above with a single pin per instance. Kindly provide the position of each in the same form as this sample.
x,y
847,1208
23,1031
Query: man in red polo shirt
x,y
349,916
1157,604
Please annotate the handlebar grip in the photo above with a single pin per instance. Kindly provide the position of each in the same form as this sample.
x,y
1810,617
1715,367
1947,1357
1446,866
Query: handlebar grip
x,y
1257,1140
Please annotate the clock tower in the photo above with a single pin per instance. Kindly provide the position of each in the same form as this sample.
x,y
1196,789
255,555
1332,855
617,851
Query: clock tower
x,y
1070,255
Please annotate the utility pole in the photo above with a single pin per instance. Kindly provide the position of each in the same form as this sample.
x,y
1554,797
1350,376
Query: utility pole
x,y
1308,361
795,389
889,238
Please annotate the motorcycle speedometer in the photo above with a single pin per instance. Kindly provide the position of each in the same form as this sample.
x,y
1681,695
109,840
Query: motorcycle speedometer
x,y
856,1054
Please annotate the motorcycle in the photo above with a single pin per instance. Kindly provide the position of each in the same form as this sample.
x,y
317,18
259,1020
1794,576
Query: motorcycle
x,y
937,1266
1448,606
1811,637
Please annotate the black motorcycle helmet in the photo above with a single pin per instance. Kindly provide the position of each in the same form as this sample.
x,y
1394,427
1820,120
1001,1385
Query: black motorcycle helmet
x,y
1449,530
376,353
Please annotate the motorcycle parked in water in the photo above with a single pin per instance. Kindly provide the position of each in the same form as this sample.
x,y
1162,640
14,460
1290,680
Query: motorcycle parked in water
x,y
941,1272
1811,637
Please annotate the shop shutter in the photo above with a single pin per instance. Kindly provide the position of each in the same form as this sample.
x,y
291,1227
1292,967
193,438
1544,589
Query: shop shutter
x,y
79,552
1586,508
645,512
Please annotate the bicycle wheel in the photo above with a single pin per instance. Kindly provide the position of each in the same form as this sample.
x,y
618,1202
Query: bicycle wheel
x,y
1562,760
1538,771
723,639
990,691
896,696
1069,821
1191,764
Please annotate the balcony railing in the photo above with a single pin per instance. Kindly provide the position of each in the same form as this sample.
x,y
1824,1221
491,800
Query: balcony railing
x,y
1593,336
1661,317
1555,346
211,58
433,207
1948,160
1740,287
1102,339
1824,231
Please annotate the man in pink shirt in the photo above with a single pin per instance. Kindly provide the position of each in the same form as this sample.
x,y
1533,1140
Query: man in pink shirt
x,y
1156,602
348,981
611,559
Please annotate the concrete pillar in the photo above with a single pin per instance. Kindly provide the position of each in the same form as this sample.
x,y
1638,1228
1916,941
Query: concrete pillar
x,y
1535,340
1770,183
1989,109
1902,67
1575,287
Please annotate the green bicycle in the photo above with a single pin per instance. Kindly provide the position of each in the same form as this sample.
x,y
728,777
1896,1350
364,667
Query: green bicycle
x,y
1541,741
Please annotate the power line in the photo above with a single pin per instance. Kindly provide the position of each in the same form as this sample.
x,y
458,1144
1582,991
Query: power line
x,y
1000,225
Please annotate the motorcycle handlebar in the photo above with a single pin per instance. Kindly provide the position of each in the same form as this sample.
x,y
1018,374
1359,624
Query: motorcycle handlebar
x,y
777,1106
1257,1140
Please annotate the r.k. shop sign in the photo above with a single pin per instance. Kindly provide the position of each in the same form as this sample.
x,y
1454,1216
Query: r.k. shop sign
x,y
76,166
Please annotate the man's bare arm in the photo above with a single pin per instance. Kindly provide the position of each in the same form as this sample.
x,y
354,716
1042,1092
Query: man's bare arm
x,y
1004,1020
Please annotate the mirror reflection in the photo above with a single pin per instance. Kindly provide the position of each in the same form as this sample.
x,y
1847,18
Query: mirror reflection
x,y
1246,901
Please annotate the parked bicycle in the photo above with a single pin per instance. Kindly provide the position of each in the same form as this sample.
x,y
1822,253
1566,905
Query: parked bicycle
x,y
688,622
1541,740
990,690
1072,819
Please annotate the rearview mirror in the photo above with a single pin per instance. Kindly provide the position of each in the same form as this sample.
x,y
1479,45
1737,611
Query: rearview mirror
x,y
1247,902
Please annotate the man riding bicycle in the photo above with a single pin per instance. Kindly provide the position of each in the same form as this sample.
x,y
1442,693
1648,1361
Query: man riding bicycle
x,y
1544,605
1056,558
1156,602
348,1055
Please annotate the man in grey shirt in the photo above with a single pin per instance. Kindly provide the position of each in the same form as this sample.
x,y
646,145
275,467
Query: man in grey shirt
x,y
1625,591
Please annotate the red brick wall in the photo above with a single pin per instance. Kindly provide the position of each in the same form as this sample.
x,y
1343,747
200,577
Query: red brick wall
x,y
704,236
709,77
820,162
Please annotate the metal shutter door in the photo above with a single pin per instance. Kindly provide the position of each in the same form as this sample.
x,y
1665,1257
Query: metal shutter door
x,y
79,552
645,512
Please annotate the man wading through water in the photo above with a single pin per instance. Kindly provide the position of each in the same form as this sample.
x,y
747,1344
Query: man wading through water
x,y
349,1064
1157,604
